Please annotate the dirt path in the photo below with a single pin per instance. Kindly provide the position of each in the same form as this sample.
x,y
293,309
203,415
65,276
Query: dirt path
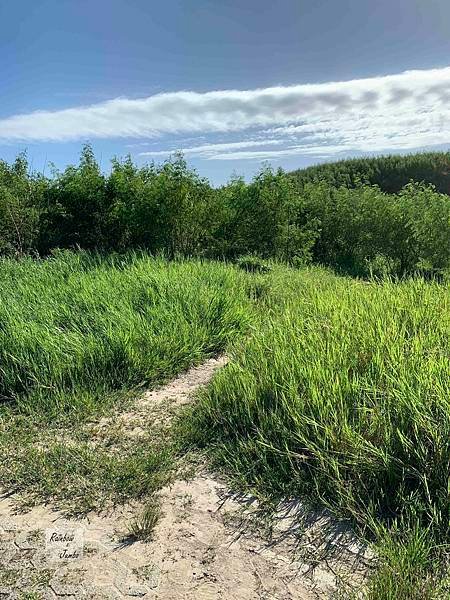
x,y
205,546
163,402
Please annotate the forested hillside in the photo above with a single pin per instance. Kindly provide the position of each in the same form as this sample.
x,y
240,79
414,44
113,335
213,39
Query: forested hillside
x,y
343,215
390,173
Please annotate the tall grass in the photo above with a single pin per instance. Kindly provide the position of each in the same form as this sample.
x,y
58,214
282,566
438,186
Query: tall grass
x,y
342,395
339,392
78,332
76,327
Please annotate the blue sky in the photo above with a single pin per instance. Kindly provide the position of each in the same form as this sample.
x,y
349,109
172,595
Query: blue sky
x,y
232,83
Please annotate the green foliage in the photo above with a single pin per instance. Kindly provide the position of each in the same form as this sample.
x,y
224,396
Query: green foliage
x,y
76,327
252,264
265,218
427,217
75,206
165,207
363,226
391,173
20,196
342,395
363,217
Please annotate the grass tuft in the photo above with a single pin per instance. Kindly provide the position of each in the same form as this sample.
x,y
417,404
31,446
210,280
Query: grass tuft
x,y
142,526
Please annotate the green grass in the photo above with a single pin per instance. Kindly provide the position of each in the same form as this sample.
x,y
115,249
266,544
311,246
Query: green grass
x,y
141,526
337,391
76,328
342,395
81,335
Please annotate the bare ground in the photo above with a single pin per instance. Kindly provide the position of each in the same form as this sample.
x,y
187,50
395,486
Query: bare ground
x,y
208,543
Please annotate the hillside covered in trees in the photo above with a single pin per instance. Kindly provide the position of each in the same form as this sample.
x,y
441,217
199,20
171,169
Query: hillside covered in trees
x,y
384,216
391,173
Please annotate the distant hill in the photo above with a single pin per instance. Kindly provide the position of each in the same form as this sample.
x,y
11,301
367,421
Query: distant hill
x,y
389,172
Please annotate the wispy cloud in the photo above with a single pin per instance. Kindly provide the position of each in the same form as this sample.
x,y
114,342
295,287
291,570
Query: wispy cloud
x,y
212,150
300,149
403,111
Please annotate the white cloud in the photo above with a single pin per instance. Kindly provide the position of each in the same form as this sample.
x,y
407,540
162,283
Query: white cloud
x,y
403,111
211,150
325,150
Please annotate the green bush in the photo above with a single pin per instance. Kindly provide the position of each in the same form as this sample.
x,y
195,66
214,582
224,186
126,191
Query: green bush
x,y
252,264
20,199
410,230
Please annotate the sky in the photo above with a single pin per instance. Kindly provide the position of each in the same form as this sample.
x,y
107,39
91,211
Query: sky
x,y
231,83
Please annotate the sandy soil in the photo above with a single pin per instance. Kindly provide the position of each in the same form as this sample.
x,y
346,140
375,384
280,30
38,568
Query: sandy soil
x,y
208,543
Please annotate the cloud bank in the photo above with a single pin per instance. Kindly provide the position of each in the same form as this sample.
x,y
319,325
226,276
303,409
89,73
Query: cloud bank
x,y
403,111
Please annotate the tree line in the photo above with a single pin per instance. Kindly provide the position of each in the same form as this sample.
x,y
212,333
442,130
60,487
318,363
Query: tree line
x,y
395,221
391,173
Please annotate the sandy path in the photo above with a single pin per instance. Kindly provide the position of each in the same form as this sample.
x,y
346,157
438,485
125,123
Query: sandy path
x,y
204,546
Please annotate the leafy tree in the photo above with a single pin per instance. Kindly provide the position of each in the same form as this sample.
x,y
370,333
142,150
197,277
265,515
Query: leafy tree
x,y
427,216
181,199
76,206
19,207
132,214
166,207
265,217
